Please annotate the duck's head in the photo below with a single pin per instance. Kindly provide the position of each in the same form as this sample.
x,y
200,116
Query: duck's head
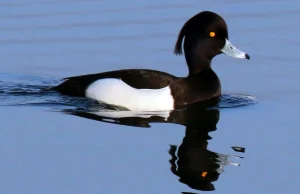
x,y
205,36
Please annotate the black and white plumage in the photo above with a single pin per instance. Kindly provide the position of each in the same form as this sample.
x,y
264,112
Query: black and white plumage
x,y
203,36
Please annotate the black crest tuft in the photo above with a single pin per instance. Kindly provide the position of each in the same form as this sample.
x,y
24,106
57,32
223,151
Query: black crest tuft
x,y
181,35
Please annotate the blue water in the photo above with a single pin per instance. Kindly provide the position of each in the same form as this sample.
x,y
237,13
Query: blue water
x,y
47,149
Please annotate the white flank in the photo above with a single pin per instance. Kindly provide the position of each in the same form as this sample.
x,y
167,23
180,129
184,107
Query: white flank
x,y
116,92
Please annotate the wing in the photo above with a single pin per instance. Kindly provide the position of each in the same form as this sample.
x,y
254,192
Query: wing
x,y
137,78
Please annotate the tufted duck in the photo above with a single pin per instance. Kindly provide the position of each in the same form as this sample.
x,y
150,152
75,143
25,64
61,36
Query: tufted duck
x,y
203,36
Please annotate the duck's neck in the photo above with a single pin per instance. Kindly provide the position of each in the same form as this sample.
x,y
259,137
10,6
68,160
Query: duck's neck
x,y
197,64
197,56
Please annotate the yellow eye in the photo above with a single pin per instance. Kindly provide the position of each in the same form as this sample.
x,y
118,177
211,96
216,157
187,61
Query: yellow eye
x,y
212,34
204,174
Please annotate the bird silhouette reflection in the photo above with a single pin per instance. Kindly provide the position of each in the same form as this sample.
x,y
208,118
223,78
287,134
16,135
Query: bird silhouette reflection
x,y
192,162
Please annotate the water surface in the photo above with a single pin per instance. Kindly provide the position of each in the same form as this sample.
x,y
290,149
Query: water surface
x,y
46,151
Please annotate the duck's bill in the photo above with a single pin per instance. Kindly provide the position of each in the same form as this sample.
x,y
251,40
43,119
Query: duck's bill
x,y
232,51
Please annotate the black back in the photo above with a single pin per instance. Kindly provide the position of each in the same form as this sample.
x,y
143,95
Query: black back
x,y
137,78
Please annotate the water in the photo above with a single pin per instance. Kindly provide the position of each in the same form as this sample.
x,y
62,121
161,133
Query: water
x,y
46,148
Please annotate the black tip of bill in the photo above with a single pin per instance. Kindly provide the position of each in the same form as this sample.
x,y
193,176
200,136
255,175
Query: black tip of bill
x,y
247,56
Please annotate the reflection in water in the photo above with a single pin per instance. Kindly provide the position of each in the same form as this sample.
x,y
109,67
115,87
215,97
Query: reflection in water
x,y
238,149
192,162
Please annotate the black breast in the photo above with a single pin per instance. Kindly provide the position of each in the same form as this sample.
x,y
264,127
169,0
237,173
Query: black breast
x,y
200,87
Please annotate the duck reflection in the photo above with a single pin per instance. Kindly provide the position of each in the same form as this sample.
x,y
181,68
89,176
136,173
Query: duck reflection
x,y
192,162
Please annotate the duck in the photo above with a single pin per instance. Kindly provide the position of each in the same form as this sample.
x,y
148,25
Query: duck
x,y
201,38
